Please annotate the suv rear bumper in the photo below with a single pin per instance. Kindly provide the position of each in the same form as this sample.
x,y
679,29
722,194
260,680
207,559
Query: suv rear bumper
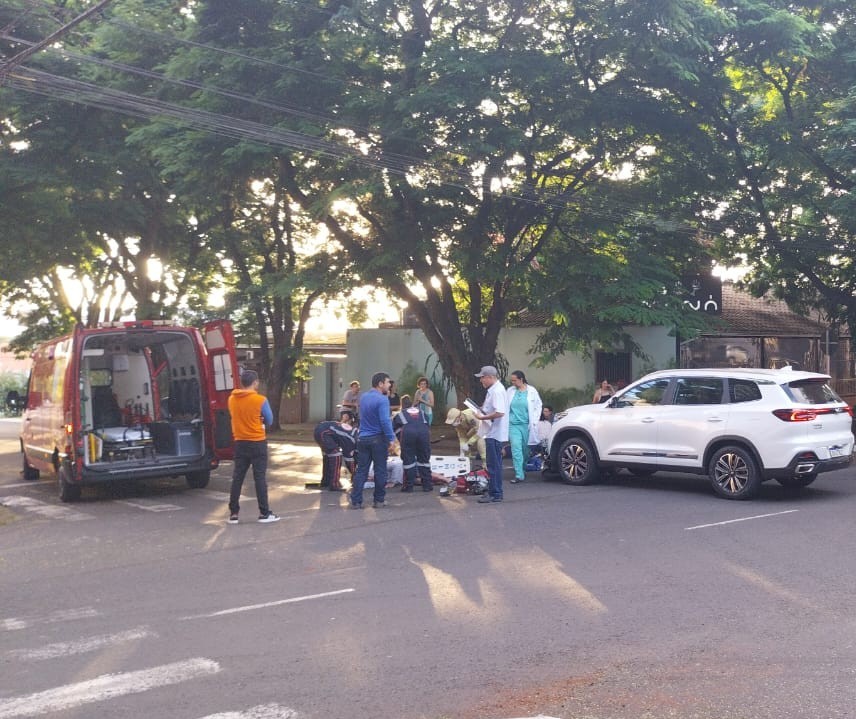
x,y
800,467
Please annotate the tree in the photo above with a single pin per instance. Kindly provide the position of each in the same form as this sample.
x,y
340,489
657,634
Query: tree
x,y
471,136
96,207
278,265
145,195
772,85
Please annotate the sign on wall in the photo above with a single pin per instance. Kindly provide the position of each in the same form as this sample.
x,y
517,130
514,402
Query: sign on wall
x,y
702,293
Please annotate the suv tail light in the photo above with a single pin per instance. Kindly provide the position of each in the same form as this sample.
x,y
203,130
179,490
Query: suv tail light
x,y
808,415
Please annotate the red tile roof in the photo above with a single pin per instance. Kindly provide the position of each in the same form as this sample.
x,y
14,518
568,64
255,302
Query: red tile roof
x,y
746,315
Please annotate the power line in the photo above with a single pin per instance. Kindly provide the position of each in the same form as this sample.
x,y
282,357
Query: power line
x,y
16,60
77,91
393,161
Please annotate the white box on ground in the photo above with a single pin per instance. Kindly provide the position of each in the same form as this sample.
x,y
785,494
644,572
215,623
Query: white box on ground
x,y
449,466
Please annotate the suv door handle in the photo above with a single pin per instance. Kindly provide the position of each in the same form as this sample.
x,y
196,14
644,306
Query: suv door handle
x,y
714,419
647,420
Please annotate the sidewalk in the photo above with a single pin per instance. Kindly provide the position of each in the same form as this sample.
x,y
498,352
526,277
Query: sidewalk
x,y
444,439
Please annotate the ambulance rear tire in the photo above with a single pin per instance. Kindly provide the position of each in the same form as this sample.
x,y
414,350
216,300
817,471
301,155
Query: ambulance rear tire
x,y
68,492
29,473
197,480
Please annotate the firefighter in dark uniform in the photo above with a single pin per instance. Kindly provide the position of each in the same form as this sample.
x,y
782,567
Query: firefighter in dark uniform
x,y
338,442
414,436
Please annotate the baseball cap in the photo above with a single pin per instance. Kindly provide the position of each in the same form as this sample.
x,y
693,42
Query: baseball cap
x,y
452,415
488,371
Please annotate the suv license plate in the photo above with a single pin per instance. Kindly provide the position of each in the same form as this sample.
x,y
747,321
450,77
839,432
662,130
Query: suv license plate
x,y
836,451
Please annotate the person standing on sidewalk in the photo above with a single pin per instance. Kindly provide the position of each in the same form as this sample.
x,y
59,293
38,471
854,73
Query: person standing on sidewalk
x,y
374,443
351,398
394,399
494,410
423,399
251,413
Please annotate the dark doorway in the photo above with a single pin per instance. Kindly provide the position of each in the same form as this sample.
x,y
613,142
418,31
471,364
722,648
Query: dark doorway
x,y
612,366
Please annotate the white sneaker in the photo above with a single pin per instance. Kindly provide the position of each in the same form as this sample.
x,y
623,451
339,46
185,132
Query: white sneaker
x,y
271,517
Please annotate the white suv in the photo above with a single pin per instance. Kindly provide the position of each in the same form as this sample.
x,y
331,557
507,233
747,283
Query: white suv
x,y
738,426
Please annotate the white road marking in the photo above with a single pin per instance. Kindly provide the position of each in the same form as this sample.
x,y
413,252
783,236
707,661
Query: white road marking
x,y
63,615
266,605
149,505
88,644
211,494
742,519
35,483
43,509
107,686
262,711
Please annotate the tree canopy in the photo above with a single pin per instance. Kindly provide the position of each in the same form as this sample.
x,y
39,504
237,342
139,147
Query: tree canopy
x,y
473,158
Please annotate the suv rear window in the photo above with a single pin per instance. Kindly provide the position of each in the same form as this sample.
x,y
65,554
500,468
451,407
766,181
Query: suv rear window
x,y
811,391
743,390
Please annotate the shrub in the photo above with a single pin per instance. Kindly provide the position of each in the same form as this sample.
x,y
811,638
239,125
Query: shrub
x,y
561,399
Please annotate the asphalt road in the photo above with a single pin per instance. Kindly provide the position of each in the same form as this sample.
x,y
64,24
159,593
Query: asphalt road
x,y
629,599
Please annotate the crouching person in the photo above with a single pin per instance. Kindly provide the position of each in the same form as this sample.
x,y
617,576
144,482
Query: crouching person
x,y
338,442
468,429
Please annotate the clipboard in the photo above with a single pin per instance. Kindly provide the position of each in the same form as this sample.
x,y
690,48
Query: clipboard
x,y
472,405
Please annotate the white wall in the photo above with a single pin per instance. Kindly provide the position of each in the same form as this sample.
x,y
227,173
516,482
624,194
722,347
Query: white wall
x,y
390,349
385,350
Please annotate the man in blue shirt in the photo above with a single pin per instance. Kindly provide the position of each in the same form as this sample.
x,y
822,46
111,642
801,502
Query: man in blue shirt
x,y
376,440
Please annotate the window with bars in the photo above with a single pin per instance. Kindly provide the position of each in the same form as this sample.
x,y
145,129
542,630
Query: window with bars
x,y
615,367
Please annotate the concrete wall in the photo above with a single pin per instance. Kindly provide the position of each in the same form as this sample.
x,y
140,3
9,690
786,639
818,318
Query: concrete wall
x,y
385,350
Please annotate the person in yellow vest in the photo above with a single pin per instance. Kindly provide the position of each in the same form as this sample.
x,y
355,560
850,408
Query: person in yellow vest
x,y
467,428
251,413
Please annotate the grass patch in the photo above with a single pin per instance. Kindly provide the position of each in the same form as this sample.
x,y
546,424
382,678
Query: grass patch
x,y
7,516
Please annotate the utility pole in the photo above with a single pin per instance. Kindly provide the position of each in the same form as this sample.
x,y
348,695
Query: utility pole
x,y
16,60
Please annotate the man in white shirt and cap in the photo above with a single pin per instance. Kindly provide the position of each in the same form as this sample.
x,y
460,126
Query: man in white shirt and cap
x,y
495,410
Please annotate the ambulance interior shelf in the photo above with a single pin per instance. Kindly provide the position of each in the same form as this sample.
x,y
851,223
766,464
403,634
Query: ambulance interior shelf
x,y
149,441
129,433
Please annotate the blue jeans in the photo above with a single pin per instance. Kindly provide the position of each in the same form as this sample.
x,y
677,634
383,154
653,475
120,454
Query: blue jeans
x,y
370,451
255,455
494,467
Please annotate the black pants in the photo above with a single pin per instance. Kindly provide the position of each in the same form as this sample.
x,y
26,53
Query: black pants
x,y
255,455
416,455
331,470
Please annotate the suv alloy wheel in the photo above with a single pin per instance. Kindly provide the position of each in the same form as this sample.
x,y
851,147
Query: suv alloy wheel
x,y
577,462
734,473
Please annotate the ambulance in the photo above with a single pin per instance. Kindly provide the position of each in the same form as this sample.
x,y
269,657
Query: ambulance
x,y
129,400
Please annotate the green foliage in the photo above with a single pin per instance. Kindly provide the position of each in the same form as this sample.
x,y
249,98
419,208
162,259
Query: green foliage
x,y
473,158
560,399
11,382
406,382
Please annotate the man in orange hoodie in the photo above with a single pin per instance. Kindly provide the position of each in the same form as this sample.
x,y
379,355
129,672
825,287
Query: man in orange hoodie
x,y
251,413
